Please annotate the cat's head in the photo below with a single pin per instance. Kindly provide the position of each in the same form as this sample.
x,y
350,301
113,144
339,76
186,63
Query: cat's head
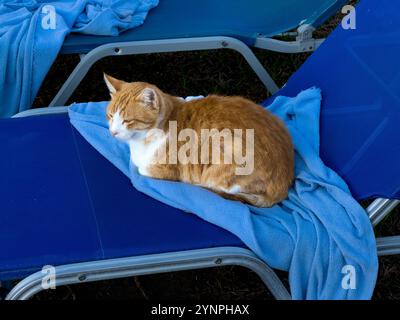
x,y
134,107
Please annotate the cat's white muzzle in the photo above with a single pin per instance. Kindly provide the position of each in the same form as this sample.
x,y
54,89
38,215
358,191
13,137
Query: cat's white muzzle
x,y
118,129
123,135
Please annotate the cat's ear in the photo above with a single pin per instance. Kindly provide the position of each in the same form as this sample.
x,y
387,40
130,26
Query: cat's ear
x,y
149,97
113,84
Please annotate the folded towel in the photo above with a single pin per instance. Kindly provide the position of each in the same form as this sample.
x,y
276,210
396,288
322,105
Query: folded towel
x,y
320,234
33,31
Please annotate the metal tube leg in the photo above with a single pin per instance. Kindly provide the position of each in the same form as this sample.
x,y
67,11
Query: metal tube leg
x,y
158,46
377,211
254,63
388,246
380,208
152,264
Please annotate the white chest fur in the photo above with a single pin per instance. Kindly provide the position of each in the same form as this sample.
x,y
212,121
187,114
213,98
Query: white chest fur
x,y
143,151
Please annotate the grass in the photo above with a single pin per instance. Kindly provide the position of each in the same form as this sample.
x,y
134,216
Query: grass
x,y
183,74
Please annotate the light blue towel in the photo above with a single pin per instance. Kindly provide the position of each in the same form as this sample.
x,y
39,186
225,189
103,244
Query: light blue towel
x,y
320,234
31,37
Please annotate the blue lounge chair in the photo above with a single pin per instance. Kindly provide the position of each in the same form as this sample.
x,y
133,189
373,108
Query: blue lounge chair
x,y
65,207
180,25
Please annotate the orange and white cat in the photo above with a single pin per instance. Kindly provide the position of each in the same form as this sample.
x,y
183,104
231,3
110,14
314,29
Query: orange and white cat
x,y
141,114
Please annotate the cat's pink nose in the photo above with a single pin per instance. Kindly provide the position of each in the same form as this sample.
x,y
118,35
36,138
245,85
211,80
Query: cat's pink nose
x,y
114,133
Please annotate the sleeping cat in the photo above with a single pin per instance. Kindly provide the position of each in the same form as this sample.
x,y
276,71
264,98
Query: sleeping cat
x,y
142,115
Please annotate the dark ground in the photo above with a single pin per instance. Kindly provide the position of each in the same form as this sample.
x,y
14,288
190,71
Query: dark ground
x,y
183,74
